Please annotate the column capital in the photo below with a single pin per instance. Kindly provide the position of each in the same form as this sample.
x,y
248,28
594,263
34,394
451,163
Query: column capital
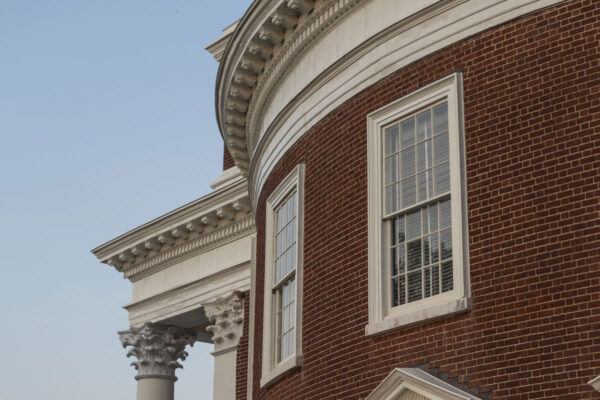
x,y
158,349
227,316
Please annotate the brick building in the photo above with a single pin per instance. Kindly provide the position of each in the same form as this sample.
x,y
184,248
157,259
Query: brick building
x,y
409,207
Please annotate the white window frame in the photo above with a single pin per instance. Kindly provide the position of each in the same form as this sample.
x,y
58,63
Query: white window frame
x,y
382,317
271,369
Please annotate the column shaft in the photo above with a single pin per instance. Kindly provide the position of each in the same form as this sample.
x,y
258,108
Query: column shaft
x,y
155,389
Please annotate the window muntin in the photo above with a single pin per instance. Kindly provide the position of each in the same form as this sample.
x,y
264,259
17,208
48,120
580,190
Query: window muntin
x,y
284,283
417,204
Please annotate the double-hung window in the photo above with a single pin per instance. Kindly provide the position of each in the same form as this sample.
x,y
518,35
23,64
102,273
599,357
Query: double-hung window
x,y
418,258
283,278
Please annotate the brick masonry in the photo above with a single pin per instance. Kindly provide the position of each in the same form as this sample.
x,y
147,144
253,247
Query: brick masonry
x,y
532,112
227,159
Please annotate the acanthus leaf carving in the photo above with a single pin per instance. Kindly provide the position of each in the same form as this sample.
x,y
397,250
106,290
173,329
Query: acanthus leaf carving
x,y
157,348
227,317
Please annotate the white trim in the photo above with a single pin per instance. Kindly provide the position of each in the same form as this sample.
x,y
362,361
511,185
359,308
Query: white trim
x,y
189,296
314,88
270,370
252,300
401,380
381,317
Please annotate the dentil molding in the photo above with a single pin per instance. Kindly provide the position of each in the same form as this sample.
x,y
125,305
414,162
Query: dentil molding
x,y
206,223
158,349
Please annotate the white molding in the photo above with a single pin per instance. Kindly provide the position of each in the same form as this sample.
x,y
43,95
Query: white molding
x,y
251,317
382,317
217,48
402,380
190,248
272,371
228,177
313,89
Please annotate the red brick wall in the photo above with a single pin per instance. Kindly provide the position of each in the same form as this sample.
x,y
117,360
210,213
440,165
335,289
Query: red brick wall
x,y
227,159
241,374
532,111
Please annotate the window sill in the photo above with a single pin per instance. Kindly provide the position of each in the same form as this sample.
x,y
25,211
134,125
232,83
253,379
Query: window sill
x,y
280,370
422,315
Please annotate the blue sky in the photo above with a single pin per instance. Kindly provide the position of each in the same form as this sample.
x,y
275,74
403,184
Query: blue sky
x,y
106,122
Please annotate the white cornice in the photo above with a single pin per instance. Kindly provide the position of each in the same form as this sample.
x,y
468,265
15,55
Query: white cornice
x,y
267,34
217,48
208,222
362,48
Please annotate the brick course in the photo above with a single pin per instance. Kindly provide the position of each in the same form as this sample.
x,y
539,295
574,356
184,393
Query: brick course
x,y
227,159
532,115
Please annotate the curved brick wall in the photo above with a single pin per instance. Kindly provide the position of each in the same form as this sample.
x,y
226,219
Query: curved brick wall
x,y
532,112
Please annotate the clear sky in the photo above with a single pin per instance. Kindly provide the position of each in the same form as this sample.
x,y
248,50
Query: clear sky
x,y
106,122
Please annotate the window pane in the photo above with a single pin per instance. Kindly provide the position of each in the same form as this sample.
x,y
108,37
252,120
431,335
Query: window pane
x,y
440,118
442,151
445,216
391,198
424,156
407,129
398,260
293,230
427,283
278,246
442,178
283,215
292,345
395,294
424,125
413,225
290,262
433,245
398,230
278,224
414,286
277,270
284,352
290,206
430,218
447,283
425,185
288,235
391,169
426,251
409,191
414,254
407,158
435,279
391,139
446,243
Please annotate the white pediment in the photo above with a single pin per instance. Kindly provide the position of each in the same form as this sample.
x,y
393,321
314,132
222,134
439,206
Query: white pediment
x,y
416,384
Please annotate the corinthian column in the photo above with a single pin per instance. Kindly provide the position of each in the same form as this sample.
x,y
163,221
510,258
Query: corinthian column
x,y
158,349
227,317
